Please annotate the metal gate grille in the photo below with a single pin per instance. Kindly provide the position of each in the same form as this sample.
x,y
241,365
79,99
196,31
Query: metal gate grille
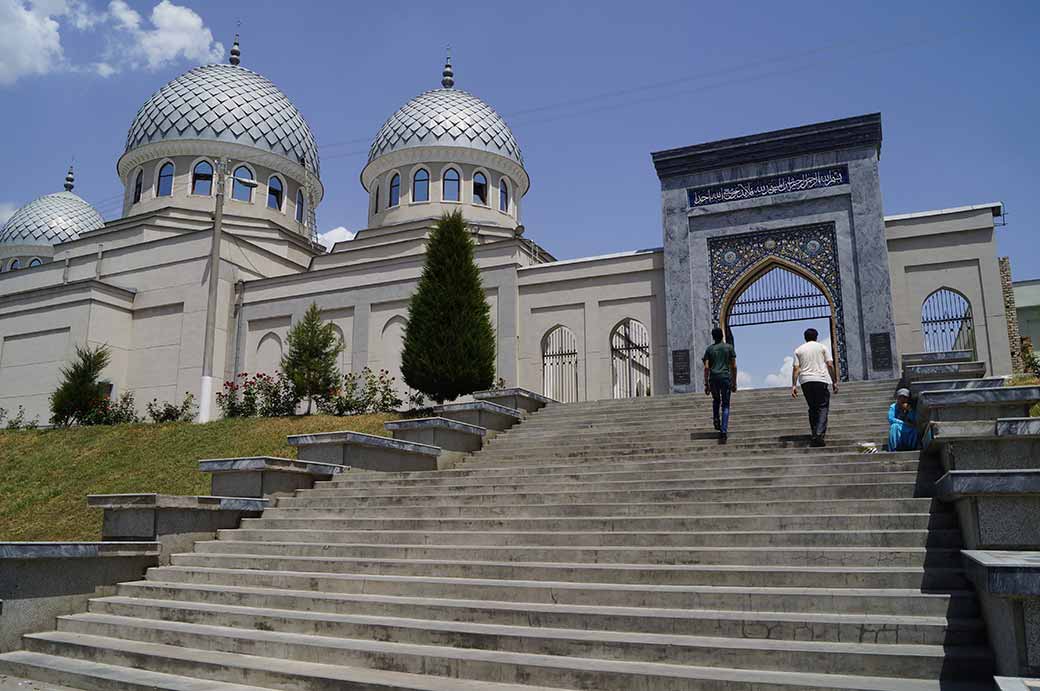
x,y
630,359
779,295
560,365
947,322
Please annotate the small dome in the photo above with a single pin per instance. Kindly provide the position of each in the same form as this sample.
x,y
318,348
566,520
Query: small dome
x,y
226,103
50,219
446,117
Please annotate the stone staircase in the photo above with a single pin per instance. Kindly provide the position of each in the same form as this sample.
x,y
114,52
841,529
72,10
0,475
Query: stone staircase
x,y
606,545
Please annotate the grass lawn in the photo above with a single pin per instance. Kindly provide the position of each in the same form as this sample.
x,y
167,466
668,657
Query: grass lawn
x,y
46,475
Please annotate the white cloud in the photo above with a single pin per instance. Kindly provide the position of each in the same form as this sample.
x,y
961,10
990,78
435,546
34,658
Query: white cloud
x,y
30,37
31,43
338,234
744,380
6,211
178,32
783,376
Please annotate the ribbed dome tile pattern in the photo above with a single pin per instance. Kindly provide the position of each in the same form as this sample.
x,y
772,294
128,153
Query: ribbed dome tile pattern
x,y
446,117
226,103
50,219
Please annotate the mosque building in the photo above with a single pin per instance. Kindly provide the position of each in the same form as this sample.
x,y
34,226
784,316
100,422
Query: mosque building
x,y
215,254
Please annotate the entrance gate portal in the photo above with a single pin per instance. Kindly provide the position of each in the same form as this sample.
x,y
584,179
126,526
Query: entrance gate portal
x,y
778,295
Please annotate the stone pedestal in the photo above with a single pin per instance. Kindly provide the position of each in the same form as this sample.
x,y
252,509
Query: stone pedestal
x,y
1008,585
261,476
366,451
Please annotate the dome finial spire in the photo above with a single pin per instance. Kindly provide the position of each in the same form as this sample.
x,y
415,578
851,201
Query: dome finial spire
x,y
236,52
448,80
70,180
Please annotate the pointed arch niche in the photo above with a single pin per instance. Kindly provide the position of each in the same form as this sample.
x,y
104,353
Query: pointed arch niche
x,y
782,275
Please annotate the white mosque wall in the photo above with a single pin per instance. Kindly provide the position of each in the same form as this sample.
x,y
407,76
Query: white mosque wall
x,y
954,249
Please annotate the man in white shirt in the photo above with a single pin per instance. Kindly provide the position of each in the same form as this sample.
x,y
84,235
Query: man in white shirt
x,y
814,371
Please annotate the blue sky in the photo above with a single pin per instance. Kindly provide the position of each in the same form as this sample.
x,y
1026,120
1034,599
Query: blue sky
x,y
590,89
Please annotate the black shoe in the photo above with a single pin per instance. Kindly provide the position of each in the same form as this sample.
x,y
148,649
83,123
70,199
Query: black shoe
x,y
718,425
722,437
817,442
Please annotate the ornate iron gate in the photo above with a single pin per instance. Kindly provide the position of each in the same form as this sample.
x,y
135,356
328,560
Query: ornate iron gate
x,y
779,295
630,359
947,322
560,365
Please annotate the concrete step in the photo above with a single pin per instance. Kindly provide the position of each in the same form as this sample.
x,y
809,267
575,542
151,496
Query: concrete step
x,y
797,555
795,576
701,448
672,434
84,674
663,538
771,506
639,467
957,603
712,451
861,466
207,668
939,521
795,475
515,657
143,598
779,405
565,672
898,486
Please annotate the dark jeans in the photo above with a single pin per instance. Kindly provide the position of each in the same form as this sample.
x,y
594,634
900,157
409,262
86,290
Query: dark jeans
x,y
818,396
720,388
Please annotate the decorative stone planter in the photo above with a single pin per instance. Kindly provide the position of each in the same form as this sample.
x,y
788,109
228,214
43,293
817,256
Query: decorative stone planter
x,y
517,398
43,580
366,451
976,404
260,476
997,509
937,358
959,370
448,434
917,388
175,522
1008,586
1005,444
484,414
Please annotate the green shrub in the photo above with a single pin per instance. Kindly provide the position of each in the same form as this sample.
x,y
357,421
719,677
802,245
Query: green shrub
x,y
168,412
81,391
449,344
310,363
362,393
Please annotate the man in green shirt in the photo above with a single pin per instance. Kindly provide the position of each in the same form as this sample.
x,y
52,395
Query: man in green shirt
x,y
720,379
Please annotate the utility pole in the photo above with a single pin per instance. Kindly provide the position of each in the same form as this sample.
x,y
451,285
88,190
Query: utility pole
x,y
209,336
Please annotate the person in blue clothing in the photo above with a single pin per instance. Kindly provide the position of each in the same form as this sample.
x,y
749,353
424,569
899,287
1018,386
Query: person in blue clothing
x,y
720,380
902,432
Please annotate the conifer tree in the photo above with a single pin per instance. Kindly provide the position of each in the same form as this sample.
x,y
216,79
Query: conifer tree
x,y
449,345
310,363
81,390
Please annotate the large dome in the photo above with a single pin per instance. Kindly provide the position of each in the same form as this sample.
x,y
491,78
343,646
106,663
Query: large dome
x,y
51,219
446,117
226,103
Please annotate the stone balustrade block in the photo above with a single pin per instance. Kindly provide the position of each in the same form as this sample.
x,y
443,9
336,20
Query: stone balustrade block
x,y
260,476
997,509
490,416
367,451
1003,444
450,435
1008,586
515,397
949,370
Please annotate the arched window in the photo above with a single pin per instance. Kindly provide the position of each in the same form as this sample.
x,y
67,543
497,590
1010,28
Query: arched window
x,y
503,196
15,264
560,365
375,204
138,182
421,186
395,191
275,193
480,191
299,206
947,322
630,359
35,261
451,185
240,190
202,178
164,186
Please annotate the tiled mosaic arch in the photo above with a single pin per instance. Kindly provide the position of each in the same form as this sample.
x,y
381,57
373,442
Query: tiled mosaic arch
x,y
809,249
